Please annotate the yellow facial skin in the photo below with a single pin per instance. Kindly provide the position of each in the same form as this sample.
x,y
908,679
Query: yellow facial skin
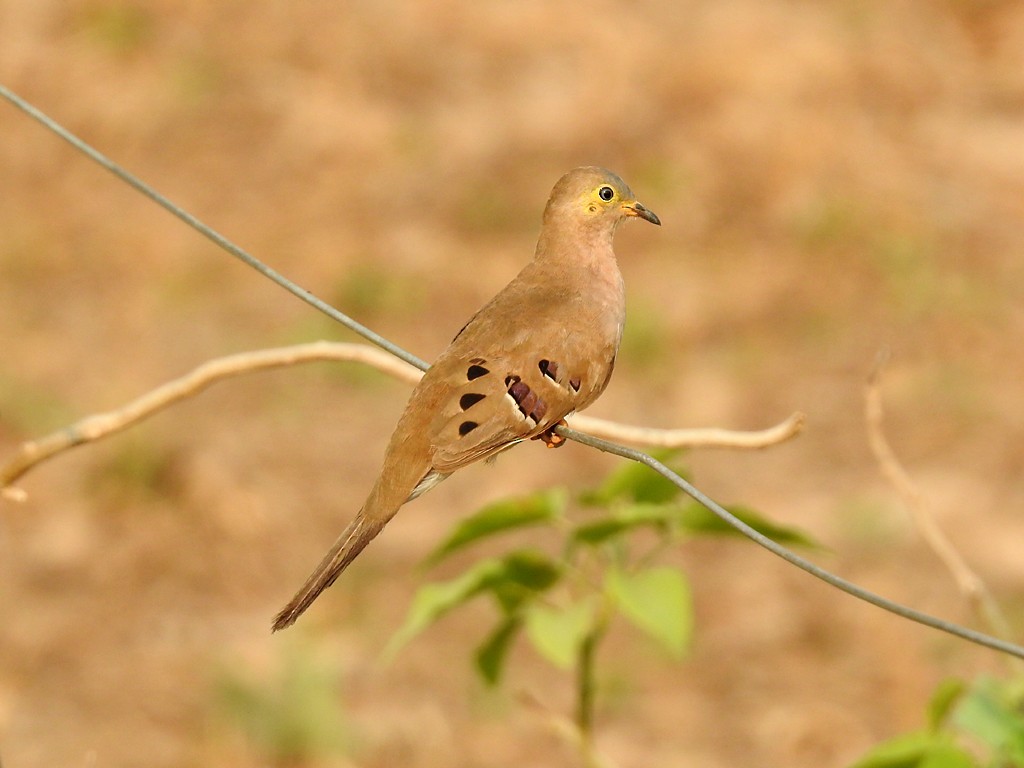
x,y
606,196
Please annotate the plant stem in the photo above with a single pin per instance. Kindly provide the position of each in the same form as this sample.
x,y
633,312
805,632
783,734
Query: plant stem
x,y
586,689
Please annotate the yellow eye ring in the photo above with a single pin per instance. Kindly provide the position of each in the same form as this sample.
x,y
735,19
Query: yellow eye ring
x,y
606,193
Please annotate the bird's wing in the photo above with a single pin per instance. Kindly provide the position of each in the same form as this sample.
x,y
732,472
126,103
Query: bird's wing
x,y
493,402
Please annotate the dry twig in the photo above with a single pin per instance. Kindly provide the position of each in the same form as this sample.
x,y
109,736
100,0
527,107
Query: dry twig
x,y
969,583
97,426
689,438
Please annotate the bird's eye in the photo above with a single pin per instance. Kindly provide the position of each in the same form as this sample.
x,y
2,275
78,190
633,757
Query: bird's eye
x,y
606,193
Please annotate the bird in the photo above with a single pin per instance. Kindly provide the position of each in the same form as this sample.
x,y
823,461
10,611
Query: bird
x,y
541,349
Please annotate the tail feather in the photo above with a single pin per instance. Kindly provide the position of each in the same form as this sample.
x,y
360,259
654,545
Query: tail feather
x,y
359,533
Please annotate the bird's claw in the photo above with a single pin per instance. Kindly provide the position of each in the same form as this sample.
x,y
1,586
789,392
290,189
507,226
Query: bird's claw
x,y
551,440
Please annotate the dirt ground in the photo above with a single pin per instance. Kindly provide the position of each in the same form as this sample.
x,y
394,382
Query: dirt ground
x,y
834,178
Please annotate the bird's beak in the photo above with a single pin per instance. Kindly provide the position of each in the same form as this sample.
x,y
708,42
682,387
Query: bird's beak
x,y
636,208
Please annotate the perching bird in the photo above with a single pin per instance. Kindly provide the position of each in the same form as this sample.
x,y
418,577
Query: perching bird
x,y
541,349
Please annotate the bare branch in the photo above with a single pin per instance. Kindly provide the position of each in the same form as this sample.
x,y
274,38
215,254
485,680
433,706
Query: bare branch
x,y
969,582
100,425
791,557
689,438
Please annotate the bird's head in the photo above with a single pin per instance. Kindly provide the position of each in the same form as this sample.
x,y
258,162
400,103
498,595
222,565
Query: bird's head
x,y
594,197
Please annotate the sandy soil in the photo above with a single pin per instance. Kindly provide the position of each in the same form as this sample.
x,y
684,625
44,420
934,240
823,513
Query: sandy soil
x,y
834,178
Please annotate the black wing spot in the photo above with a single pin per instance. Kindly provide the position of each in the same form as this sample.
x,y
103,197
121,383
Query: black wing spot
x,y
575,382
470,399
510,380
549,368
466,427
475,371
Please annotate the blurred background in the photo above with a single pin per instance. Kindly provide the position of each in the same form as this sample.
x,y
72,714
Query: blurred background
x,y
834,178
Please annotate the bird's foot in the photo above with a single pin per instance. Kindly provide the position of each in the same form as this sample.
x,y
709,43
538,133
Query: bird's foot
x,y
551,440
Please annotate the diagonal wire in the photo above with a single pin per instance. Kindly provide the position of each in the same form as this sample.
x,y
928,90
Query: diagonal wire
x,y
791,557
632,454
141,186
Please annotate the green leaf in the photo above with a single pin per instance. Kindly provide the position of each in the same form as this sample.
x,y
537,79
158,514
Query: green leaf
x,y
922,749
699,519
992,714
941,704
906,751
948,756
502,516
633,482
626,519
657,601
513,579
490,656
432,601
693,518
557,633
525,574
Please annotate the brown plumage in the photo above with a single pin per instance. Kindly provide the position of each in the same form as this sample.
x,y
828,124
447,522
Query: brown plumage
x,y
542,348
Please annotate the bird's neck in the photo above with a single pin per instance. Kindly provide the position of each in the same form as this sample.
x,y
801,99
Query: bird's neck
x,y
576,245
582,263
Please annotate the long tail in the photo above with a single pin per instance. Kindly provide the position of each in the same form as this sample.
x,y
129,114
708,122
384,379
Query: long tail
x,y
359,533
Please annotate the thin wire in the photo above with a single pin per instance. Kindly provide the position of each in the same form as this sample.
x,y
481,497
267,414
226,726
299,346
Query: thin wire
x,y
580,437
791,557
141,186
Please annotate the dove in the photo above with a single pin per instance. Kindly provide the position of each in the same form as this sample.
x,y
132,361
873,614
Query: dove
x,y
541,349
